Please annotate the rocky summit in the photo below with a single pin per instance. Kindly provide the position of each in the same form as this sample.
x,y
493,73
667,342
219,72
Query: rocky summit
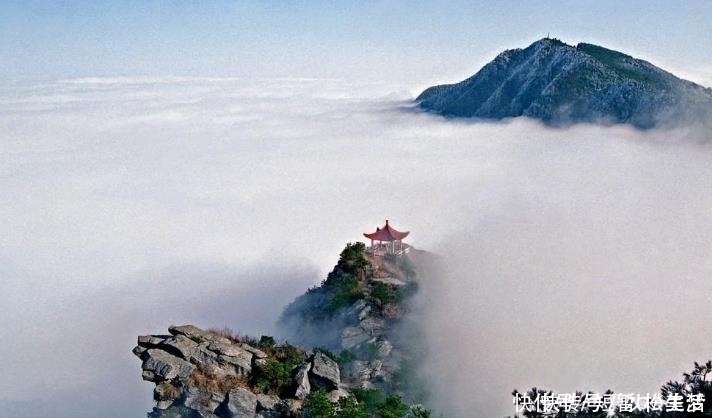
x,y
561,84
356,346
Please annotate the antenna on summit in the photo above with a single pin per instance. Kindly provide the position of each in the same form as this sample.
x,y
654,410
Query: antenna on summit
x,y
547,35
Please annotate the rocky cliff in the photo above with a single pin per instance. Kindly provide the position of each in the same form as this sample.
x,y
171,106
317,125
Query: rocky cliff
x,y
364,313
561,84
214,374
355,351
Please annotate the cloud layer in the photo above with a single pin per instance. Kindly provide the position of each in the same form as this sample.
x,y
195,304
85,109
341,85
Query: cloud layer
x,y
575,258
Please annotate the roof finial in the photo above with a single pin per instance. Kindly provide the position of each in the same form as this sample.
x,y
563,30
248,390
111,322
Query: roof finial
x,y
386,221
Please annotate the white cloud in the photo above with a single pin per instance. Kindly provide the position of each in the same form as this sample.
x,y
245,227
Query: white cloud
x,y
132,203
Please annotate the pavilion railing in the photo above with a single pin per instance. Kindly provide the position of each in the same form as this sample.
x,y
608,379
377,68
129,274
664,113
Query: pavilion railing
x,y
381,250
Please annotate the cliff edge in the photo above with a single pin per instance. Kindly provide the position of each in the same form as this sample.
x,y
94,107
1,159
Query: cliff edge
x,y
352,348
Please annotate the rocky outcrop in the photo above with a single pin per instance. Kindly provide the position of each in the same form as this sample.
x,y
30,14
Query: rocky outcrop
x,y
355,317
241,403
206,374
325,373
368,331
302,380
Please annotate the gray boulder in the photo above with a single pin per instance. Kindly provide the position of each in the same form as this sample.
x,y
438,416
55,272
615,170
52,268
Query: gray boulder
x,y
138,351
239,365
204,402
353,336
268,402
151,341
191,331
357,371
302,381
324,373
241,403
159,366
259,354
165,394
373,326
228,349
180,346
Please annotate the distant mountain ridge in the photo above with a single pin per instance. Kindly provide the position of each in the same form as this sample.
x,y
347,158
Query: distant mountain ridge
x,y
561,84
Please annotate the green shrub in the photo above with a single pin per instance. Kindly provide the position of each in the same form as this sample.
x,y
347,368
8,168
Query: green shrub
x,y
370,399
393,407
346,290
318,405
272,377
353,257
361,403
266,341
418,411
352,260
349,407
383,294
275,375
346,356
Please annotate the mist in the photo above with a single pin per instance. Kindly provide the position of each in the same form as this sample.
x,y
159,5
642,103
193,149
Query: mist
x,y
572,258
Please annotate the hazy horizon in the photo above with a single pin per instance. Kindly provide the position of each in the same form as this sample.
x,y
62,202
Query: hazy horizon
x,y
422,44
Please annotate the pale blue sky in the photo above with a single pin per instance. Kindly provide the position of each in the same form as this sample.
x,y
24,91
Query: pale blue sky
x,y
400,41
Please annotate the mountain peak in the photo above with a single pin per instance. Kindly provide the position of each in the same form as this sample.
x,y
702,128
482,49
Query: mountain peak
x,y
561,84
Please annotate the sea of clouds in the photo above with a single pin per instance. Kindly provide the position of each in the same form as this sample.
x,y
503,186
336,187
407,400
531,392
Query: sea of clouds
x,y
574,258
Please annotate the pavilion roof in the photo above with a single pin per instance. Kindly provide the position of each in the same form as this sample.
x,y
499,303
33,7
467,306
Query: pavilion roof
x,y
387,233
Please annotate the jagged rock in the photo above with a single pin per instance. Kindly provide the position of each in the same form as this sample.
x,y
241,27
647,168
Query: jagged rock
x,y
373,326
357,371
180,346
353,336
384,348
302,381
159,366
165,394
138,350
390,280
241,403
379,372
151,341
268,402
365,373
255,351
202,401
240,366
324,372
228,349
204,356
174,412
294,405
337,394
360,309
269,414
191,331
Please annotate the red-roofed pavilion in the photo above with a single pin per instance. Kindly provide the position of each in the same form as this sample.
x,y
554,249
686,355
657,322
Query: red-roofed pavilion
x,y
392,237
